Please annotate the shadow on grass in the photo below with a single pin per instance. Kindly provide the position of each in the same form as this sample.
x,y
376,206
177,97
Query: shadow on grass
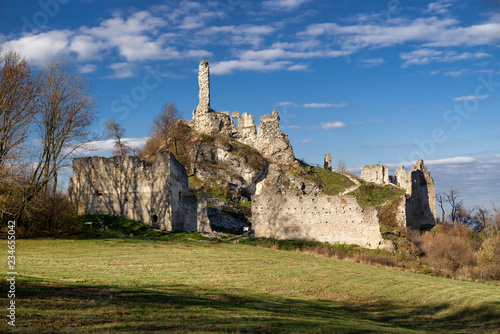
x,y
44,307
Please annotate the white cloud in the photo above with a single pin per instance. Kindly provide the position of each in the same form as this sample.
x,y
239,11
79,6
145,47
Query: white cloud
x,y
469,97
373,62
439,7
432,31
228,67
332,125
291,126
426,56
298,68
122,70
235,35
87,68
456,74
285,104
306,141
86,47
325,105
106,147
286,5
40,48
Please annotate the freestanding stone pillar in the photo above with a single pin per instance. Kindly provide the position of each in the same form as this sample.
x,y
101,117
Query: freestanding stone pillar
x,y
328,161
204,83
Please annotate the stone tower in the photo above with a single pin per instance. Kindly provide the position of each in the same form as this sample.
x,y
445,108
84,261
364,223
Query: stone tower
x,y
204,83
328,161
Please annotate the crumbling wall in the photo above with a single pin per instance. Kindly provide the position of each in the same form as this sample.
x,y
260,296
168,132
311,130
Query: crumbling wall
x,y
333,219
378,174
402,179
271,142
418,207
245,132
131,188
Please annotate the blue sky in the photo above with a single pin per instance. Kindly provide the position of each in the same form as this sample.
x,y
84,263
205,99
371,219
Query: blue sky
x,y
368,81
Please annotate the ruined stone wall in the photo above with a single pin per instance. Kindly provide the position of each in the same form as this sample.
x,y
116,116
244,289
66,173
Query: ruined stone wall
x,y
333,219
402,179
418,207
245,132
271,142
378,174
131,188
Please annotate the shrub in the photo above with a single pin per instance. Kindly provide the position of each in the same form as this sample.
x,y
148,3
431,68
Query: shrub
x,y
489,258
451,249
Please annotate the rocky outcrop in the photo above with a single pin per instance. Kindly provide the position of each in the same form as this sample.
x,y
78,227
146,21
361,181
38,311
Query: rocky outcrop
x,y
233,164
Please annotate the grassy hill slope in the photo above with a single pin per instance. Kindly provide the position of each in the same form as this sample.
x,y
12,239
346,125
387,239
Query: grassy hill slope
x,y
180,286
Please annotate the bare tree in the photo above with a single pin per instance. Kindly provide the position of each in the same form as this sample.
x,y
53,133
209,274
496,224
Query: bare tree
x,y
441,200
115,130
342,166
164,125
453,198
18,97
66,111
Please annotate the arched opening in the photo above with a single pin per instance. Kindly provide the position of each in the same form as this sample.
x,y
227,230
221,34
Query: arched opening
x,y
235,122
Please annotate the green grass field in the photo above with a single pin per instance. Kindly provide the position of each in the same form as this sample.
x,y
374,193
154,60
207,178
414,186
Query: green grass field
x,y
193,286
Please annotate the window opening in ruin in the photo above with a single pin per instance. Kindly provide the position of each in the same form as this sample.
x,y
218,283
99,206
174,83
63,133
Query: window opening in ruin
x,y
93,167
235,122
98,192
117,166
155,218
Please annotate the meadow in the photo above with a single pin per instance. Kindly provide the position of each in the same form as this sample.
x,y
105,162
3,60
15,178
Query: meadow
x,y
184,285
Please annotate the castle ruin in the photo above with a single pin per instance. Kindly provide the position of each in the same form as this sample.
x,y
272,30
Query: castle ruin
x,y
157,193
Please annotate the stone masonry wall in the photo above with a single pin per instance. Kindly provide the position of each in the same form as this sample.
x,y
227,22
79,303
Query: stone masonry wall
x,y
378,174
129,187
333,219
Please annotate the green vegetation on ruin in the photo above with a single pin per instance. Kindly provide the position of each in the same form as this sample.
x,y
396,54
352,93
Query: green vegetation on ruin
x,y
375,195
188,286
331,183
386,199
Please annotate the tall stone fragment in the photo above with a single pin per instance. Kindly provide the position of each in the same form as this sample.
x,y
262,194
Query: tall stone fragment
x,y
271,142
402,179
204,84
328,161
420,201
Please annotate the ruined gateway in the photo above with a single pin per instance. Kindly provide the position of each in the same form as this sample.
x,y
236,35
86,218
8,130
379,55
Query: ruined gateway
x,y
157,193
